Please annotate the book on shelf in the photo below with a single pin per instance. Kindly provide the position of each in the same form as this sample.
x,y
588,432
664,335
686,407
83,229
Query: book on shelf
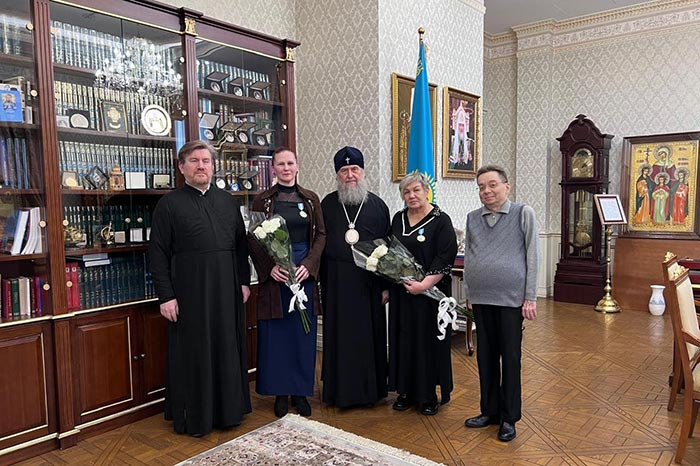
x,y
22,232
24,297
15,226
33,245
92,260
21,297
14,163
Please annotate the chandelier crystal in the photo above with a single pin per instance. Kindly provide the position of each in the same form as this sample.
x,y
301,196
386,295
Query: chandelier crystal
x,y
140,66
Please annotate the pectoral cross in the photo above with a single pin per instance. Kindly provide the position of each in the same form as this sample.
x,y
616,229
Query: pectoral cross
x,y
347,160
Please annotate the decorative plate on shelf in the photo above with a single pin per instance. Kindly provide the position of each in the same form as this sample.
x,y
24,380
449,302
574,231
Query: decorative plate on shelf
x,y
155,120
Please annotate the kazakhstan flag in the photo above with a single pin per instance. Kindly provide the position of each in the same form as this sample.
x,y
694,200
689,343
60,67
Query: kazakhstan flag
x,y
420,139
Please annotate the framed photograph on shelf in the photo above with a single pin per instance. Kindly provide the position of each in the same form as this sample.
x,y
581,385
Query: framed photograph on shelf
x,y
659,185
113,117
461,134
401,104
610,210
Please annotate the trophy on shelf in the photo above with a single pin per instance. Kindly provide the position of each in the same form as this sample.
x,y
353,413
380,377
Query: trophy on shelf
x,y
237,86
116,179
227,133
263,136
208,126
257,90
73,237
215,81
106,235
97,178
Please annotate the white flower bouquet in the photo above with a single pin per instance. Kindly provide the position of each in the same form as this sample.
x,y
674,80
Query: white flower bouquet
x,y
273,236
389,258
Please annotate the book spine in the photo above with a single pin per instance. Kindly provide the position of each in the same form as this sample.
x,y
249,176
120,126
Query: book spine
x,y
6,299
69,295
75,289
14,297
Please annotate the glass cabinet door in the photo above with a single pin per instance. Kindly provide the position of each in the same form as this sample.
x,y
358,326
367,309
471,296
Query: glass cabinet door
x,y
23,257
580,225
119,97
240,114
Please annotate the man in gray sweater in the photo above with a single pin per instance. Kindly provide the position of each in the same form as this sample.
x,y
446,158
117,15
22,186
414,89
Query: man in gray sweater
x,y
500,284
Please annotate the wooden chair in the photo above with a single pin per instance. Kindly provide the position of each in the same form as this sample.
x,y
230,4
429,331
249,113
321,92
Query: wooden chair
x,y
686,333
669,266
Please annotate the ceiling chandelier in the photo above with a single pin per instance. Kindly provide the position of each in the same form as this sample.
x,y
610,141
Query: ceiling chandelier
x,y
140,66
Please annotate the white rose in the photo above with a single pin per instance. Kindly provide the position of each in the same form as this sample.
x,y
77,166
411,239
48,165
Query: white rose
x,y
276,222
372,263
259,233
380,251
268,226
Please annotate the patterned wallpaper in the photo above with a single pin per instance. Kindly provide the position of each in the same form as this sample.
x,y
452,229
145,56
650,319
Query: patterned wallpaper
x,y
337,75
631,85
275,18
499,123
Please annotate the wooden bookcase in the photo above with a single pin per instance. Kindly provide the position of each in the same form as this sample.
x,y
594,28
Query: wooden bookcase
x,y
87,351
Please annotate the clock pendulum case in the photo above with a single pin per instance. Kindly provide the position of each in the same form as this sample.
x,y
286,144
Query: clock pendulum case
x,y
580,275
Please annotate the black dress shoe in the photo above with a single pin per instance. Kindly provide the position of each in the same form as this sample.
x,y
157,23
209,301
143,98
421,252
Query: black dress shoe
x,y
482,420
429,408
402,403
506,432
281,405
303,406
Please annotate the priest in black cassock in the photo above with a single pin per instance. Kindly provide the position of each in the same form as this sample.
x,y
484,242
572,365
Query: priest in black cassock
x,y
354,319
199,262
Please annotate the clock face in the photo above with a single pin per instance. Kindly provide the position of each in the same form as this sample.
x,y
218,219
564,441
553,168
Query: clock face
x,y
582,165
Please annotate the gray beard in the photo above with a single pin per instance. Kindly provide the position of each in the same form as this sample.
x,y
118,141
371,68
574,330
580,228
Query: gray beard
x,y
354,195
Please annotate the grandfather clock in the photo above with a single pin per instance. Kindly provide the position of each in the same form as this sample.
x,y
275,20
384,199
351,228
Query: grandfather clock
x,y
580,276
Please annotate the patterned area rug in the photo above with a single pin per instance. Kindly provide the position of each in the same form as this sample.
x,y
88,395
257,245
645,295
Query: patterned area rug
x,y
294,440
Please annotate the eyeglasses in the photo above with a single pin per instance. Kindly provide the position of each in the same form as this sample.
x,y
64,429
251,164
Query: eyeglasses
x,y
493,185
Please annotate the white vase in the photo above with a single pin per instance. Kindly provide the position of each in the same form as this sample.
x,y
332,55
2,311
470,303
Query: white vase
x,y
657,305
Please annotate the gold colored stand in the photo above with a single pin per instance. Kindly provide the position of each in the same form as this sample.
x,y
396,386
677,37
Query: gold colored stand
x,y
607,304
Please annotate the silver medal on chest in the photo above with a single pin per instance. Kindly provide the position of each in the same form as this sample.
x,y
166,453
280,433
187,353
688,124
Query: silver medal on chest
x,y
351,235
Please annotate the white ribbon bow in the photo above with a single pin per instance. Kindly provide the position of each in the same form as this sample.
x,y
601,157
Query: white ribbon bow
x,y
298,297
446,316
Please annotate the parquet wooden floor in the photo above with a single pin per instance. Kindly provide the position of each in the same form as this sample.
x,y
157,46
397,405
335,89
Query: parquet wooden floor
x,y
594,393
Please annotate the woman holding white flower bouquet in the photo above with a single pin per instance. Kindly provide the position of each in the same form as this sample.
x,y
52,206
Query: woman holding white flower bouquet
x,y
418,360
286,349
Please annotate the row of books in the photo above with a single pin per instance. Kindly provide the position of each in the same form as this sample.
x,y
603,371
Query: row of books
x,y
11,31
207,67
14,163
88,48
80,157
88,99
129,223
263,165
21,232
21,297
124,279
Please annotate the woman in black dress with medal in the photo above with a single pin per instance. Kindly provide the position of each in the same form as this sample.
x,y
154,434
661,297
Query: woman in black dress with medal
x,y
287,355
418,361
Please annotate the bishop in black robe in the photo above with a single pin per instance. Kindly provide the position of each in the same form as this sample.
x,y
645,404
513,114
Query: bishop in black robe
x,y
199,256
354,369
